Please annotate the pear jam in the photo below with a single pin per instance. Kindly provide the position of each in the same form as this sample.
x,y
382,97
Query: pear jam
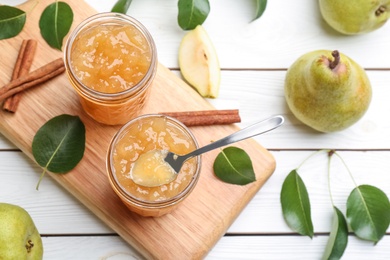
x,y
111,61
152,170
137,151
111,58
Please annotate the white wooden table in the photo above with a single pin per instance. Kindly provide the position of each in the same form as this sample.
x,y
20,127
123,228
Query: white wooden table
x,y
254,57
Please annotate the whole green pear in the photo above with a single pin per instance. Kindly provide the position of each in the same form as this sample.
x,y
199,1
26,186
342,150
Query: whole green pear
x,y
19,238
327,90
355,17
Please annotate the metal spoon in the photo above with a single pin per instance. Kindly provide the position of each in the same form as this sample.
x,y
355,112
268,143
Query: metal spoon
x,y
176,161
171,163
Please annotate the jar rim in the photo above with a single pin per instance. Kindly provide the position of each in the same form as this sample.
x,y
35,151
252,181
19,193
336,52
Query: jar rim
x,y
145,203
105,18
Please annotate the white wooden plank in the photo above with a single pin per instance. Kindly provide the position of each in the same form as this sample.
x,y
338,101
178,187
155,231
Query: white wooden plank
x,y
5,143
88,247
55,211
101,6
293,247
286,30
236,247
259,94
13,2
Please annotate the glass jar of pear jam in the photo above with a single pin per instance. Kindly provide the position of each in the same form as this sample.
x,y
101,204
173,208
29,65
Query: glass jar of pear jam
x,y
111,61
138,137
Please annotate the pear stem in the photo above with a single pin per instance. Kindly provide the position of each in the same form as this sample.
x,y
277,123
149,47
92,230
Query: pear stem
x,y
336,61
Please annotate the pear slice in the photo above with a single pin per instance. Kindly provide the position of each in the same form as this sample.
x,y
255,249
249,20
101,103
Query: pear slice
x,y
199,62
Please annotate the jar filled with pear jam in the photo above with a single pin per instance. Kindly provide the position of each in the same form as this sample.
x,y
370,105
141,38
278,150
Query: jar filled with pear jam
x,y
111,61
146,135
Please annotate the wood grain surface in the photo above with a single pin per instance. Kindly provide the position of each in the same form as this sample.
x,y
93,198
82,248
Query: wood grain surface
x,y
191,230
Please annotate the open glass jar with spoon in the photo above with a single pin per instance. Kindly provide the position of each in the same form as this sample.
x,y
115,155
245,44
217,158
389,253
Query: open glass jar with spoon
x,y
139,136
160,157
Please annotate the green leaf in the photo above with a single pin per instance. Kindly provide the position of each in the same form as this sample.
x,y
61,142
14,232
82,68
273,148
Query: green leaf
x,y
296,205
233,165
261,5
58,146
55,23
368,212
121,6
338,238
192,13
12,21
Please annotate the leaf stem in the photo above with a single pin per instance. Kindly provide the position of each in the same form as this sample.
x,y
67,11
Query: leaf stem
x,y
330,190
41,178
348,170
310,156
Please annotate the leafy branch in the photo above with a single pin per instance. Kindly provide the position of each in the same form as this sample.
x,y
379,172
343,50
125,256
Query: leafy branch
x,y
368,211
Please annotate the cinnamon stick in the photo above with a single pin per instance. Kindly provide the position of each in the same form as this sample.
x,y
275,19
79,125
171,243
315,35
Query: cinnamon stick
x,y
206,117
22,67
32,79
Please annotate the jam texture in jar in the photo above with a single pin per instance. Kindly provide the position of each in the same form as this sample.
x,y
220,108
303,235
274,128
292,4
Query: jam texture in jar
x,y
111,62
138,137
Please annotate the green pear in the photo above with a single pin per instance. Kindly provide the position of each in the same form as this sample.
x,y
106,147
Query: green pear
x,y
327,90
355,17
19,238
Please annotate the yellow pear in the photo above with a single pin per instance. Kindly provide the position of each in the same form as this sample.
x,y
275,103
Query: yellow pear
x,y
327,90
199,62
355,17
19,238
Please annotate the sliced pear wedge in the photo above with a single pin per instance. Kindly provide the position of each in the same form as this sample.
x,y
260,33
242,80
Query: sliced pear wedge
x,y
199,62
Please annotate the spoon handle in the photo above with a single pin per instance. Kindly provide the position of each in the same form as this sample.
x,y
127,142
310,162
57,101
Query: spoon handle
x,y
245,133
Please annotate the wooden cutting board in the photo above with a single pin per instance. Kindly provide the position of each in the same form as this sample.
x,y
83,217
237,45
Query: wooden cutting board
x,y
187,233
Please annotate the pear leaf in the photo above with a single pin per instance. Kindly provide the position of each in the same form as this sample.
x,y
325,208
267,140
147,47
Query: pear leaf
x,y
233,165
192,13
121,6
338,238
296,205
260,8
12,21
55,23
368,212
58,146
